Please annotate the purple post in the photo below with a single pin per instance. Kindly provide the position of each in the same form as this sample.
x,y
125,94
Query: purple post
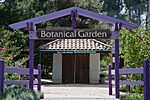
x,y
73,24
74,18
31,62
146,80
1,75
117,27
39,78
117,67
127,86
30,27
110,80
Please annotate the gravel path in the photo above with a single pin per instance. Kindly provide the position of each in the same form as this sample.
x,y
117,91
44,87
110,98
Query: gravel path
x,y
76,92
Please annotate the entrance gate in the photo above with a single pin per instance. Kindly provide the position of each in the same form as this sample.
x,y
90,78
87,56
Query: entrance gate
x,y
30,24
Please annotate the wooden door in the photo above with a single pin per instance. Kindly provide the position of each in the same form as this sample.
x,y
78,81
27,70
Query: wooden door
x,y
68,68
82,68
75,68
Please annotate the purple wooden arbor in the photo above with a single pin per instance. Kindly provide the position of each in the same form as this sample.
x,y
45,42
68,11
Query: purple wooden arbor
x,y
30,24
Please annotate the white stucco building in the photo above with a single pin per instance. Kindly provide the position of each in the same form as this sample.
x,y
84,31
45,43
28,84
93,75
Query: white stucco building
x,y
76,60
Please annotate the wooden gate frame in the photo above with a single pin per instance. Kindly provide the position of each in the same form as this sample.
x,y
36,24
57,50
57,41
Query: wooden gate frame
x,y
30,24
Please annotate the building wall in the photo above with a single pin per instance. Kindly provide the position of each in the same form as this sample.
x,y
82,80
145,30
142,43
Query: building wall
x,y
93,71
57,68
94,68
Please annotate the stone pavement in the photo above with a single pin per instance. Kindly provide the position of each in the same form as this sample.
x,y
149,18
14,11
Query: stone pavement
x,y
76,92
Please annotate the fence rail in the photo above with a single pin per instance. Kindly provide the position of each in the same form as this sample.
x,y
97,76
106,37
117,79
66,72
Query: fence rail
x,y
20,71
145,71
129,71
126,82
19,82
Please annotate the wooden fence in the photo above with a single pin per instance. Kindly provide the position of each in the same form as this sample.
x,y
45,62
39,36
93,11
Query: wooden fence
x,y
20,71
146,82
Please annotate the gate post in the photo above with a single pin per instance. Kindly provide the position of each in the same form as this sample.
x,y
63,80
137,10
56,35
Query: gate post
x,y
127,86
73,24
32,30
39,77
117,27
1,75
146,80
110,80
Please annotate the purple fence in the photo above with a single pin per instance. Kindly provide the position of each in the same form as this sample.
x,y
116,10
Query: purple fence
x,y
20,71
1,75
145,71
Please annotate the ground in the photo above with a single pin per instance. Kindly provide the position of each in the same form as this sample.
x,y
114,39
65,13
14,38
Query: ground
x,y
76,92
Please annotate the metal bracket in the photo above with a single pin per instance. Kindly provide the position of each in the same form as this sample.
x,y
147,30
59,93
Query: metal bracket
x,y
118,26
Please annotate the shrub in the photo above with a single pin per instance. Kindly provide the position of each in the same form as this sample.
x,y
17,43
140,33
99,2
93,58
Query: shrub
x,y
104,63
12,76
19,93
133,96
41,95
123,88
134,49
104,74
122,77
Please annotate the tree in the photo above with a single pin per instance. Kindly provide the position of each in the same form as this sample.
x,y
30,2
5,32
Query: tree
x,y
130,10
135,48
18,10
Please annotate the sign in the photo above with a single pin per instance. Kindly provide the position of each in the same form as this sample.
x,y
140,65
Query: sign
x,y
76,51
73,34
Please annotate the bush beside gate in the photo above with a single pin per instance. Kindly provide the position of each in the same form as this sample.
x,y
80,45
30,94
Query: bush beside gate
x,y
145,71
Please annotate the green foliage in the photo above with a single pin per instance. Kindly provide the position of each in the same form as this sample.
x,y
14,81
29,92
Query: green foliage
x,y
136,89
126,9
21,61
11,76
134,96
14,42
123,88
104,73
18,10
19,93
122,77
41,95
103,63
135,47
